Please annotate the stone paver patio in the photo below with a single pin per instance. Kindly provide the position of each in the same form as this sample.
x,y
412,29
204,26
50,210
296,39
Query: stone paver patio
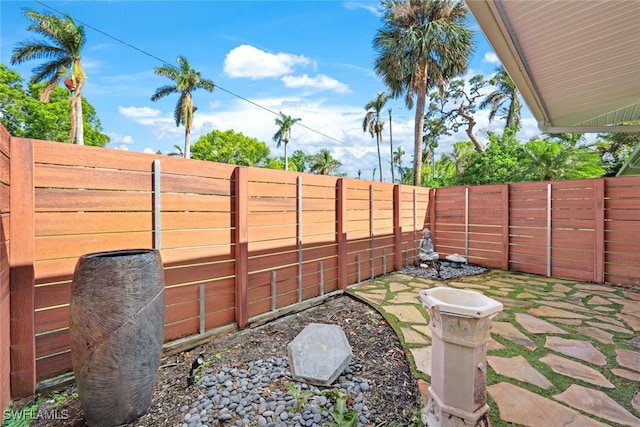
x,y
563,353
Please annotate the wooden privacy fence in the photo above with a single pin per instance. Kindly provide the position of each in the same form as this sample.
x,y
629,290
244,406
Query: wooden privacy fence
x,y
238,244
580,229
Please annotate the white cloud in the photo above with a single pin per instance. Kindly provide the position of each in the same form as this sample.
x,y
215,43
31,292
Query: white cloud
x,y
149,151
371,7
317,83
250,62
121,148
139,112
491,58
117,138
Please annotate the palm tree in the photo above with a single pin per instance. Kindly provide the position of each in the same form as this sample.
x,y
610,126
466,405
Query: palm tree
x,y
62,57
397,160
283,134
423,43
323,163
373,123
186,81
560,157
506,92
178,151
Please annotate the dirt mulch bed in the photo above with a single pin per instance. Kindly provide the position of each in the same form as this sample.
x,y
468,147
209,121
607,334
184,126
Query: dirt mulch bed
x,y
394,392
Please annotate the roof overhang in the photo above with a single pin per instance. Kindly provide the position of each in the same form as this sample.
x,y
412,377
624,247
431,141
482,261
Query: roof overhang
x,y
575,62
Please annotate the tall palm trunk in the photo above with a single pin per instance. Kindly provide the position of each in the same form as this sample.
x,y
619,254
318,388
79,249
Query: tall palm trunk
x,y
73,118
419,122
393,173
187,143
286,157
378,138
79,118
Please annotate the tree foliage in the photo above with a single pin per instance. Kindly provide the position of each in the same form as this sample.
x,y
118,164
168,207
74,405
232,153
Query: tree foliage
x,y
422,44
230,147
61,49
323,163
374,124
283,134
507,93
614,149
24,115
186,80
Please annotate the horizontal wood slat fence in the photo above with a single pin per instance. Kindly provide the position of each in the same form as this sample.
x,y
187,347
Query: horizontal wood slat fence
x,y
580,229
239,245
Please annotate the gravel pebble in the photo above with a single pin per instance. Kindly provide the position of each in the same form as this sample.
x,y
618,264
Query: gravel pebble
x,y
258,396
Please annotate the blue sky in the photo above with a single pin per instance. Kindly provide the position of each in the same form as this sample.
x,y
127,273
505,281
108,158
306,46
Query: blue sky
x,y
309,59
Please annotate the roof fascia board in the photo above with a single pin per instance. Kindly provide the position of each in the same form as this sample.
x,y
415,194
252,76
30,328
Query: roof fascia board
x,y
588,129
496,32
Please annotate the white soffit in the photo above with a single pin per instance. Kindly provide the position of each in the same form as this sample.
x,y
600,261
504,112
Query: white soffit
x,y
576,62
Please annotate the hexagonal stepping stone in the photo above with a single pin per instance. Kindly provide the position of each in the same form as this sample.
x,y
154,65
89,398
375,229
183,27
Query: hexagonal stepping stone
x,y
628,359
597,403
636,402
520,406
319,354
582,350
576,370
510,332
593,332
518,368
534,325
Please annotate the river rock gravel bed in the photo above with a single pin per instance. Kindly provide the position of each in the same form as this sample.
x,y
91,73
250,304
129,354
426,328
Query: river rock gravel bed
x,y
260,395
447,270
388,393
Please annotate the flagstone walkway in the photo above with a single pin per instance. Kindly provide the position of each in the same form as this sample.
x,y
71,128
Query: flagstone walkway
x,y
562,353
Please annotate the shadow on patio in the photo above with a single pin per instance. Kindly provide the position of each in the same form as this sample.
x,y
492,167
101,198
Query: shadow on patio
x,y
562,352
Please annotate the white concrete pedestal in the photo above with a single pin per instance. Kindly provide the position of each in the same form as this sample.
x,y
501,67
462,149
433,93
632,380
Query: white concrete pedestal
x,y
460,324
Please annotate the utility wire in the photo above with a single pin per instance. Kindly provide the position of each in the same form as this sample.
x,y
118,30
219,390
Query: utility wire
x,y
144,52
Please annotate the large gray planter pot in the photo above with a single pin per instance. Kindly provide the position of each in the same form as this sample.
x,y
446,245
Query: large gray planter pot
x,y
116,325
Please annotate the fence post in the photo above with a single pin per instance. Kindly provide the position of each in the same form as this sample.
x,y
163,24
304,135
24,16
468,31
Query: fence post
x,y
371,233
299,233
505,227
598,259
241,250
157,207
341,232
21,264
397,228
466,223
549,230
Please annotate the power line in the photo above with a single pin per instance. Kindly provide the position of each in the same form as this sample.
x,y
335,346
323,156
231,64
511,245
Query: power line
x,y
144,52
